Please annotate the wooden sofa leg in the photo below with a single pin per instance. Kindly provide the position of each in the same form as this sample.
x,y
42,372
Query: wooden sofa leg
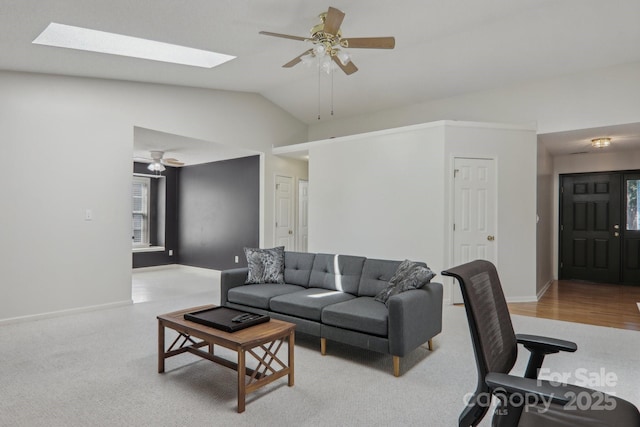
x,y
396,366
430,344
323,346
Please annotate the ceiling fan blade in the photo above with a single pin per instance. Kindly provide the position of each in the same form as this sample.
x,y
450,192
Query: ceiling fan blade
x,y
371,42
333,21
296,60
172,162
348,69
284,36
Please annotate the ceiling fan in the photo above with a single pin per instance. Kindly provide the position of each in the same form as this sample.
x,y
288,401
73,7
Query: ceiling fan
x,y
328,42
157,162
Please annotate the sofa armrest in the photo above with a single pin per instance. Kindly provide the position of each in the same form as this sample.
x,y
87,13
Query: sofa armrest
x,y
414,318
230,279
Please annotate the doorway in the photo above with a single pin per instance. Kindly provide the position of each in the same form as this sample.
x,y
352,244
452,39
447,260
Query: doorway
x,y
285,221
600,227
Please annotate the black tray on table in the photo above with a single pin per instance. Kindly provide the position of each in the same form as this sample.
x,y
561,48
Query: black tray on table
x,y
221,318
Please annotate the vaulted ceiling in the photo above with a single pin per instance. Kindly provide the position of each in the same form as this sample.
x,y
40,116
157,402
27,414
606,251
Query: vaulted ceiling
x,y
443,48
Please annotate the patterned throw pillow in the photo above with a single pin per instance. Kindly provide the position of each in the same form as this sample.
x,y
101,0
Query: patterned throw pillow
x,y
409,275
265,265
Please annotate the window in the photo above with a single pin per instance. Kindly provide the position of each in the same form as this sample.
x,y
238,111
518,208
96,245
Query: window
x,y
140,210
633,217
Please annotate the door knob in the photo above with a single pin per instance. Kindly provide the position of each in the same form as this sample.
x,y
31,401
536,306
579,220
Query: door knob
x,y
290,232
616,234
616,227
491,238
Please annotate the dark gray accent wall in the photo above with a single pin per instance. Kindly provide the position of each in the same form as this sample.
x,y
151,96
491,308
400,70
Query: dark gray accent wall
x,y
164,214
219,206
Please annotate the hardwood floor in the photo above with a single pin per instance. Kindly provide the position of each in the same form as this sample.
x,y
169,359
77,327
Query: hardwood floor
x,y
615,306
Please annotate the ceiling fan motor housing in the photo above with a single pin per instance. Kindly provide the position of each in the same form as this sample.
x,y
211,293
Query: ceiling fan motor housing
x,y
157,155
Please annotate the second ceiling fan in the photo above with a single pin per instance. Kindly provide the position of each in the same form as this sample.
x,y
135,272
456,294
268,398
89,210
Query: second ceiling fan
x,y
327,41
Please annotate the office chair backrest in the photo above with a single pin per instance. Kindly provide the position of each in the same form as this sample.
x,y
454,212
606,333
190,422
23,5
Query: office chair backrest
x,y
494,340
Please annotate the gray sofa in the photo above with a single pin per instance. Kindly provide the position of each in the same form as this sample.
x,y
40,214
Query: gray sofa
x,y
332,297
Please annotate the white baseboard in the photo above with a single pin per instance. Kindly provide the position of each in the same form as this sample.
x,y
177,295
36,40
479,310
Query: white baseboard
x,y
60,313
522,299
544,289
533,298
157,267
172,267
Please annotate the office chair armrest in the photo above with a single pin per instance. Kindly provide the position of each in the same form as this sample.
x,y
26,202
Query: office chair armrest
x,y
545,345
540,347
532,389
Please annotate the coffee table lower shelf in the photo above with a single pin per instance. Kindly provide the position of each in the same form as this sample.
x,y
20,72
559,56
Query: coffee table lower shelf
x,y
261,342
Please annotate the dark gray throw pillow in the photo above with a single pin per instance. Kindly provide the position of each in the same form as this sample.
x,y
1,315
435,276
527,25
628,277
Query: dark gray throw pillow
x,y
409,275
265,265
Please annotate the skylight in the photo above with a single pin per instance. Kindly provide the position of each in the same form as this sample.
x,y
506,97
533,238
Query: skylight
x,y
67,36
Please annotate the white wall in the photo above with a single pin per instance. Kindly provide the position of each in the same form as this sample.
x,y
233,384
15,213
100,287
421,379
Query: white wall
x,y
67,144
513,149
387,195
607,96
379,196
602,97
578,163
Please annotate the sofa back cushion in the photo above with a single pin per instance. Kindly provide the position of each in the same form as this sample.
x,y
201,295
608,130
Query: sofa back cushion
x,y
336,272
376,274
297,268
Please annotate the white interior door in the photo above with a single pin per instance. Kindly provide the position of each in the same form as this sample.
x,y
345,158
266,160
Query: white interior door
x,y
284,227
475,201
303,215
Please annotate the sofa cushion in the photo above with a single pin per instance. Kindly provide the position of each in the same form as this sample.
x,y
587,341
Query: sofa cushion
x,y
376,274
336,272
265,265
362,314
297,267
307,303
259,295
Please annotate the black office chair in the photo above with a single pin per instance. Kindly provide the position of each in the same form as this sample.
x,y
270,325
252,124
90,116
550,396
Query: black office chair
x,y
523,401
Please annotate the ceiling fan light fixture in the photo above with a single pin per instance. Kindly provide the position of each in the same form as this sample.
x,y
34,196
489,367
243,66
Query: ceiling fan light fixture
x,y
156,166
601,142
308,59
327,65
319,50
343,56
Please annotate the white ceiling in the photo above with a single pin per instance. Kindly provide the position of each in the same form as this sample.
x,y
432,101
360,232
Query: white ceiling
x,y
443,48
623,138
190,151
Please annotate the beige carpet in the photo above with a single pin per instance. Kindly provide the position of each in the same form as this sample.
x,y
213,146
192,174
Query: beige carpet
x,y
99,369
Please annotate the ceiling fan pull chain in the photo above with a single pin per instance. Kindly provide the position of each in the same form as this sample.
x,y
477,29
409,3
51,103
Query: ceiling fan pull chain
x,y
332,73
319,75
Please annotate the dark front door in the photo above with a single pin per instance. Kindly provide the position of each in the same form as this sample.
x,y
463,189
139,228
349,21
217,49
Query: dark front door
x,y
590,227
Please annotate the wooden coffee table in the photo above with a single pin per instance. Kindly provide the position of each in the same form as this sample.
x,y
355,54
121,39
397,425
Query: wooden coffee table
x,y
261,342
